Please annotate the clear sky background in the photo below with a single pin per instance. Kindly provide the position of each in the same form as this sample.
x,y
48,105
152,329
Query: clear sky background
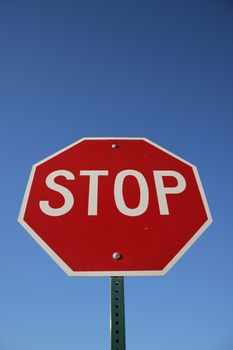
x,y
156,69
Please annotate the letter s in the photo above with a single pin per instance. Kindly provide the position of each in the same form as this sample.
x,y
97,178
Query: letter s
x,y
68,197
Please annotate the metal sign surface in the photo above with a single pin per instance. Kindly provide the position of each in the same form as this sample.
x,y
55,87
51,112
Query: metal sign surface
x,y
115,206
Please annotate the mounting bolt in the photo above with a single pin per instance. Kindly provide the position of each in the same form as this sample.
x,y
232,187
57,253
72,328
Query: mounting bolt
x,y
114,146
116,256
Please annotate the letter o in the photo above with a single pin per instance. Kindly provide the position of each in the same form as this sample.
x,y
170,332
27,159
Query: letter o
x,y
119,197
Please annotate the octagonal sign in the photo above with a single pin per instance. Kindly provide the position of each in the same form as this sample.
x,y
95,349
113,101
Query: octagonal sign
x,y
114,206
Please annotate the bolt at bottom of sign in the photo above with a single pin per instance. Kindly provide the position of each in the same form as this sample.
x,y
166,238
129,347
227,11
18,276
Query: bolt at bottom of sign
x,y
116,256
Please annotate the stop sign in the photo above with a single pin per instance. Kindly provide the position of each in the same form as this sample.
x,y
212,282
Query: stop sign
x,y
122,206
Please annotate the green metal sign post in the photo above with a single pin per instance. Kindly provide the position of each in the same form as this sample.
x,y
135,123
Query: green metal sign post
x,y
117,314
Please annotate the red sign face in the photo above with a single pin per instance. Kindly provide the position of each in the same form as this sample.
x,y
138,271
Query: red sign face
x,y
114,207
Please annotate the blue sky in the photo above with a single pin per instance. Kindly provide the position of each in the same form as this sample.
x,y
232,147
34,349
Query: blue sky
x,y
156,69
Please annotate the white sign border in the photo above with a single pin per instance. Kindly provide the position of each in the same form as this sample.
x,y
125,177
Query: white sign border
x,y
64,266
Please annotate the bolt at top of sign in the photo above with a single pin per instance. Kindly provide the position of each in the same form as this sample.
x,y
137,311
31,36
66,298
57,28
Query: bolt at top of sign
x,y
140,208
